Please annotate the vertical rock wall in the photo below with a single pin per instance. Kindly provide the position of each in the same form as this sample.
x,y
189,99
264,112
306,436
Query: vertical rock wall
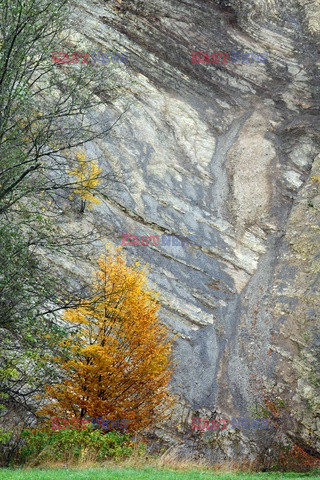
x,y
223,152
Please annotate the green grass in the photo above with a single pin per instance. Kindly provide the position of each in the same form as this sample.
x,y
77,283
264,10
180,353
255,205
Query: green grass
x,y
142,474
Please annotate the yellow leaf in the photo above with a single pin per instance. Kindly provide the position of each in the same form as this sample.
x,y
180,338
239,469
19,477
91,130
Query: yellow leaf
x,y
121,356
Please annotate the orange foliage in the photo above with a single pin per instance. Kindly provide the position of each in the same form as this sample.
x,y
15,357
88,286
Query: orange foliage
x,y
271,406
297,459
120,363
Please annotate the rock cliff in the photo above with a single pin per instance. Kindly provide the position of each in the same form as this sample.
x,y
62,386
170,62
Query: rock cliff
x,y
228,152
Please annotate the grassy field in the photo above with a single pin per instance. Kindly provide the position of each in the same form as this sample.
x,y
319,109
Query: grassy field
x,y
142,474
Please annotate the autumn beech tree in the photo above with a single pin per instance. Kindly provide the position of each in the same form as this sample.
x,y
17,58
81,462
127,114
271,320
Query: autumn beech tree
x,y
120,360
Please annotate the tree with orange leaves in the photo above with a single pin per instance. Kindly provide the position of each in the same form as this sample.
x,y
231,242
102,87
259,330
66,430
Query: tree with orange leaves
x,y
119,365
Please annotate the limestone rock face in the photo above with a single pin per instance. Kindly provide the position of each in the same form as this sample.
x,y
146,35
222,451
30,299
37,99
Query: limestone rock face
x,y
224,152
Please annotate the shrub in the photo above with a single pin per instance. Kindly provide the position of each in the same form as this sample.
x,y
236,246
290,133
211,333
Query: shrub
x,y
296,459
74,445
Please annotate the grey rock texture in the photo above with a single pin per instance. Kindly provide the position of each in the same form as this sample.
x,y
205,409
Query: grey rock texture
x,y
223,152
